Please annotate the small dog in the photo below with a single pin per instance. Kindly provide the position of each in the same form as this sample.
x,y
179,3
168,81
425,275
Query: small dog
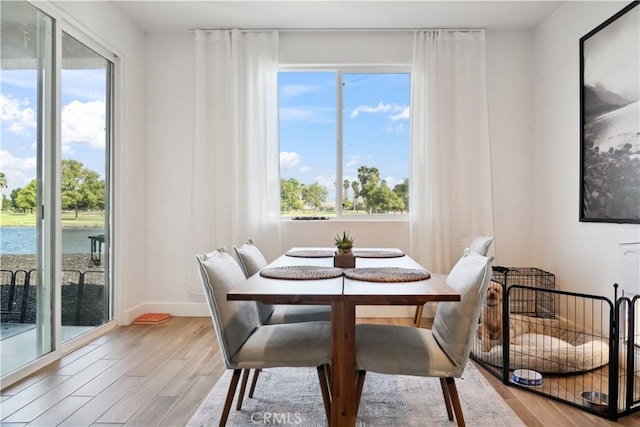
x,y
491,326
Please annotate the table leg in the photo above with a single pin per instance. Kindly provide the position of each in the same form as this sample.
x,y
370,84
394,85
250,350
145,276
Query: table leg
x,y
343,365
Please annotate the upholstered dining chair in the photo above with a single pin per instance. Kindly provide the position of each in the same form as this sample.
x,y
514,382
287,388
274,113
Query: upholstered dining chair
x,y
479,245
245,343
252,261
442,351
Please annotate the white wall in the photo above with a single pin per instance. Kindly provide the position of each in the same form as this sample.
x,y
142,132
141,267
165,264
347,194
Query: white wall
x,y
535,161
510,95
583,256
169,86
100,20
170,116
153,150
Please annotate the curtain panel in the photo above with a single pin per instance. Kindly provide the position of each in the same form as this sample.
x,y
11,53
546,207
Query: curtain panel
x,y
450,194
235,174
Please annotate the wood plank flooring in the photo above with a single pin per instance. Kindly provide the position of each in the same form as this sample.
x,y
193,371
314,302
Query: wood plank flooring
x,y
158,375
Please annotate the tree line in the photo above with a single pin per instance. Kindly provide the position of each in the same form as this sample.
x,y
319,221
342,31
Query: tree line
x,y
369,193
81,190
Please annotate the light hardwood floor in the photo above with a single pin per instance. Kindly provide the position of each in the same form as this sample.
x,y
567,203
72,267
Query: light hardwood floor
x,y
142,375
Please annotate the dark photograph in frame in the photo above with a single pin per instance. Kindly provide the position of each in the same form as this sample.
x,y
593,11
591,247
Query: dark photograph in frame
x,y
610,120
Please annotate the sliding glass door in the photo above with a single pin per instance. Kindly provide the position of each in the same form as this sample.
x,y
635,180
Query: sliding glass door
x,y
85,88
55,169
26,238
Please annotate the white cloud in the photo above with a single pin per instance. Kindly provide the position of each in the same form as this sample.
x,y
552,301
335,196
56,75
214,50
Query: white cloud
x,y
84,123
7,161
17,114
380,108
327,181
291,91
19,172
289,159
352,163
403,115
305,169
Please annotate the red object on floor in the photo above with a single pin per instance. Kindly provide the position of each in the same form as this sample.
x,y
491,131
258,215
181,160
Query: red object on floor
x,y
152,318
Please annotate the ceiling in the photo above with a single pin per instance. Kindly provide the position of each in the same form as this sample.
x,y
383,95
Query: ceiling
x,y
155,16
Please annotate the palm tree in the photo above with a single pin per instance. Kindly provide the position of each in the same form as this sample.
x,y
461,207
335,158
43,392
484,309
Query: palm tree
x,y
355,186
345,185
3,185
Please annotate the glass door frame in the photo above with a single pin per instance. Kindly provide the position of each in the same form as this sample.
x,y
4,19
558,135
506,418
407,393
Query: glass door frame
x,y
49,209
110,131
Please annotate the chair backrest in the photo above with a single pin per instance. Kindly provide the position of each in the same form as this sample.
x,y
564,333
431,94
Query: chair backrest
x,y
250,257
454,325
481,244
234,321
252,261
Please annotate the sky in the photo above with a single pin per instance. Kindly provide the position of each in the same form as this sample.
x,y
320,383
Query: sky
x,y
375,125
375,119
82,122
612,58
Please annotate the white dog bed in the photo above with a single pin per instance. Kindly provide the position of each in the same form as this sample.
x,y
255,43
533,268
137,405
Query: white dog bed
x,y
548,346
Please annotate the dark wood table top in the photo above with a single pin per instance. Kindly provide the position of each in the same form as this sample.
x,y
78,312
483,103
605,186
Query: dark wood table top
x,y
326,291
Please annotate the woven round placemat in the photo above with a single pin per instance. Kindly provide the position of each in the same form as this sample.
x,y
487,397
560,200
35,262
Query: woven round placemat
x,y
310,253
387,274
378,254
301,272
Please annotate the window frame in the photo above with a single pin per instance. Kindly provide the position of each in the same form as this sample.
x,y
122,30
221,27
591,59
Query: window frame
x,y
340,71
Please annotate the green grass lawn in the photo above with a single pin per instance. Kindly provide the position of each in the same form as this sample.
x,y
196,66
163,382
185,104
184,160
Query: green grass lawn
x,y
327,213
85,219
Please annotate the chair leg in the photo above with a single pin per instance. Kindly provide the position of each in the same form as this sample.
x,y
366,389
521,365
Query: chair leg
x,y
256,372
327,374
359,386
243,387
455,401
232,391
324,389
418,316
447,398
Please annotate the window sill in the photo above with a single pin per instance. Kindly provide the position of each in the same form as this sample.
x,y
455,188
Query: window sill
x,y
368,218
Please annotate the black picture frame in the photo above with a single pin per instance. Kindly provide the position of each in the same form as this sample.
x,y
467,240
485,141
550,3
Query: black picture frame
x,y
609,125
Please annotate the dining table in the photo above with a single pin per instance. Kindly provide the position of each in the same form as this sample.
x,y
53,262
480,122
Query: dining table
x,y
382,276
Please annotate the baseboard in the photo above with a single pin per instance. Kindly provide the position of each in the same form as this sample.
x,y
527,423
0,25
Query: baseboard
x,y
201,310
184,309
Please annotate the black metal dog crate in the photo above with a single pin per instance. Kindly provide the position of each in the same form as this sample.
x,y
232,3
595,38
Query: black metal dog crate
x,y
527,301
579,349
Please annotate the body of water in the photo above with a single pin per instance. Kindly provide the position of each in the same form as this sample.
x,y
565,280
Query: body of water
x,y
617,128
22,240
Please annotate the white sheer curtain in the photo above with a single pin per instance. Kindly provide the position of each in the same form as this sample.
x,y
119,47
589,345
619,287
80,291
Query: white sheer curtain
x,y
235,174
451,199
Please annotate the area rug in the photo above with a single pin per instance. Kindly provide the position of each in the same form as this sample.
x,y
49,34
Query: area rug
x,y
288,396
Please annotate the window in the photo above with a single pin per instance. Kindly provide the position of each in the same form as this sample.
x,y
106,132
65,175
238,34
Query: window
x,y
344,143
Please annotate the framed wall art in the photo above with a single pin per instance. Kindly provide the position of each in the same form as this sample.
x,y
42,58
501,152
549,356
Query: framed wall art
x,y
610,119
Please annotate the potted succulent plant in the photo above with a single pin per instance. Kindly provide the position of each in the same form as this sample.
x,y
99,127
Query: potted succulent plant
x,y
344,254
